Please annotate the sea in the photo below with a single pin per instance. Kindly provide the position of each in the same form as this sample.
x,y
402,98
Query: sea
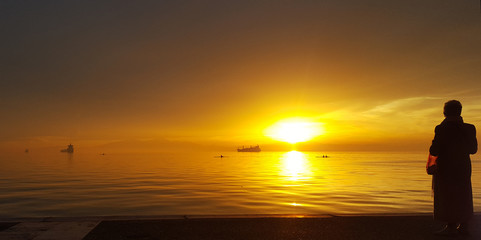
x,y
203,183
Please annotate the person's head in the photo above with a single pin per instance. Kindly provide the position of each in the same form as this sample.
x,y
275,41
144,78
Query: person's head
x,y
452,108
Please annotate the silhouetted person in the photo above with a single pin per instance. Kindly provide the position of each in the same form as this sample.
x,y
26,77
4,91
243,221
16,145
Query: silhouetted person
x,y
453,142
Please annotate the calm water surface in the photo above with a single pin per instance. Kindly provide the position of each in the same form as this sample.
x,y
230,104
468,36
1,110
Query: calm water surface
x,y
240,183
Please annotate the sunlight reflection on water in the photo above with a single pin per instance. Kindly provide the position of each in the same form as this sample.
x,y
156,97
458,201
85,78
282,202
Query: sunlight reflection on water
x,y
240,183
295,166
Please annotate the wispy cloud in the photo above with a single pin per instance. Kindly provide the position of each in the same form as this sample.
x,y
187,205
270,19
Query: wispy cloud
x,y
405,107
416,116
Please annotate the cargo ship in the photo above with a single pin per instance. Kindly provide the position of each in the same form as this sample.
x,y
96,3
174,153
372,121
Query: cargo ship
x,y
249,149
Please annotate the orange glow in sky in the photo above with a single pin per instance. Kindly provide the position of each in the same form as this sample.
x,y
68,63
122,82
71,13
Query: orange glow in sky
x,y
192,76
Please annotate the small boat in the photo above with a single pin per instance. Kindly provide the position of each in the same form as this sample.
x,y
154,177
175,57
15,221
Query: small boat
x,y
69,149
249,149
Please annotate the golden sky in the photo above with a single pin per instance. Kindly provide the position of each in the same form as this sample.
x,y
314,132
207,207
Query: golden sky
x,y
216,74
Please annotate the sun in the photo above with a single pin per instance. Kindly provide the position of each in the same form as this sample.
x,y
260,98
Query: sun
x,y
294,130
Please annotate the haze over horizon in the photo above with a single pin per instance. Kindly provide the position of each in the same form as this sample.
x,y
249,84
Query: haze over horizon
x,y
216,74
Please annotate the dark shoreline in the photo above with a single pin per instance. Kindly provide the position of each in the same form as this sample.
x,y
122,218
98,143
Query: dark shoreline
x,y
333,227
245,227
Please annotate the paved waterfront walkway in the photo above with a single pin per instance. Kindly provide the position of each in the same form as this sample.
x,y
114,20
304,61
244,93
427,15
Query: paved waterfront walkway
x,y
228,227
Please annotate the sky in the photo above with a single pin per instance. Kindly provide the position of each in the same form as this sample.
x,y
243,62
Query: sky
x,y
216,74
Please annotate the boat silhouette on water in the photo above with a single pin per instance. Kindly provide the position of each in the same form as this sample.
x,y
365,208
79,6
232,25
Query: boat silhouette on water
x,y
249,149
69,149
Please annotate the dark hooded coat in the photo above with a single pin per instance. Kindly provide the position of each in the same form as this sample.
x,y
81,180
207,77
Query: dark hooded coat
x,y
453,142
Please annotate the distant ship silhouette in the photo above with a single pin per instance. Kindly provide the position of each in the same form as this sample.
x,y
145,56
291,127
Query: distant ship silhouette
x,y
249,149
69,149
